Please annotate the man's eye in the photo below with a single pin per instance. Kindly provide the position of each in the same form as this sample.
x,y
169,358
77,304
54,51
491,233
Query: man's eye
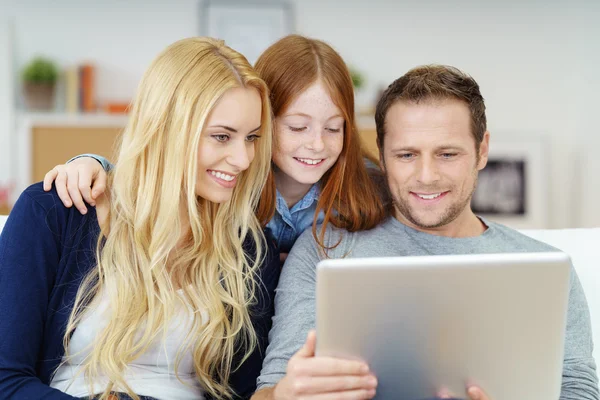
x,y
405,156
448,155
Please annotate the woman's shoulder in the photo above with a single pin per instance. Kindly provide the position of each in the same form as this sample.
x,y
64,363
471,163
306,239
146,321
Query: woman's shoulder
x,y
38,196
47,200
39,211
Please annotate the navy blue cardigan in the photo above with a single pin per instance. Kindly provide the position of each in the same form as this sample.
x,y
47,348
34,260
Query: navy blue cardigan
x,y
45,251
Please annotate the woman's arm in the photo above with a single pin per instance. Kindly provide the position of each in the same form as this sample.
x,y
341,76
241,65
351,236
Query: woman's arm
x,y
243,380
29,257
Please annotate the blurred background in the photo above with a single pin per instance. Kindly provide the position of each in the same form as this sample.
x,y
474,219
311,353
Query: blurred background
x,y
68,69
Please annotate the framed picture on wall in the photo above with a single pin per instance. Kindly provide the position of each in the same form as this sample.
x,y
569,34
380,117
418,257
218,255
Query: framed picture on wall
x,y
502,188
513,188
247,26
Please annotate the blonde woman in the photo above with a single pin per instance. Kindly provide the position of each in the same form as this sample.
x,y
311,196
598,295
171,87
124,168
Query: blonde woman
x,y
318,173
164,289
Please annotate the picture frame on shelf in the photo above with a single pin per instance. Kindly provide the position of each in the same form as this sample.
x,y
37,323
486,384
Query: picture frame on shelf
x,y
513,187
247,26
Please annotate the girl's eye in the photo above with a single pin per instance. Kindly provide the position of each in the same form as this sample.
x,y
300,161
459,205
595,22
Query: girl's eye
x,y
333,130
252,138
297,129
221,138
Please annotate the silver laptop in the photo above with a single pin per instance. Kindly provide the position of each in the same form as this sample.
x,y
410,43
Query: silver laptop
x,y
432,322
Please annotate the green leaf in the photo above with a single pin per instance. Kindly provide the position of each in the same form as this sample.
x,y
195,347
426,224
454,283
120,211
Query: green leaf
x,y
40,70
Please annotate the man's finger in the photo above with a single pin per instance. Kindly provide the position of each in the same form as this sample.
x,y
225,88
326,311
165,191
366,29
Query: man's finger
x,y
61,188
73,188
308,350
328,384
476,393
49,178
329,366
359,394
444,394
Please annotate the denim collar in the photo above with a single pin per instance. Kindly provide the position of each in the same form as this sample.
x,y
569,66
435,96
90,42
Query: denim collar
x,y
308,199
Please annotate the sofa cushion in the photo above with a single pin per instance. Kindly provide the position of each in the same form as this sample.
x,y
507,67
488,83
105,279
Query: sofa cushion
x,y
580,245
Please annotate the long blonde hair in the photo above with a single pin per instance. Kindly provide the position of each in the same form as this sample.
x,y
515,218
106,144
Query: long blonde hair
x,y
143,260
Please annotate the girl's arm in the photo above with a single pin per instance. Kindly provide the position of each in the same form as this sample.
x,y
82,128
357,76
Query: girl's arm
x,y
81,180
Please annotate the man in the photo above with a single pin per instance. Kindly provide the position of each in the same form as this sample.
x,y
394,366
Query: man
x,y
433,141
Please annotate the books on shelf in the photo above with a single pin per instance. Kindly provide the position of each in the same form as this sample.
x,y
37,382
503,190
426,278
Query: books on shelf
x,y
80,92
80,88
72,89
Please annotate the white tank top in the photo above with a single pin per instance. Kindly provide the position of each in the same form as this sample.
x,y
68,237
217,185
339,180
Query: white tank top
x,y
151,374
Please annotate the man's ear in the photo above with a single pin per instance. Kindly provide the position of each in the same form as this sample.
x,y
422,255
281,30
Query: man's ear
x,y
484,149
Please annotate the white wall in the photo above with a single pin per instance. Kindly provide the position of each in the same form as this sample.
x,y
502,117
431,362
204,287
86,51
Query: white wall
x,y
536,62
586,129
120,37
6,103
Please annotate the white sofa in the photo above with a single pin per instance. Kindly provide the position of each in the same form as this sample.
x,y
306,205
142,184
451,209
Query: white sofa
x,y
580,244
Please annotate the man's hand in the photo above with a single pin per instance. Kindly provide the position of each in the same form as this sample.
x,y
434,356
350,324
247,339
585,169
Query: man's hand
x,y
311,377
474,393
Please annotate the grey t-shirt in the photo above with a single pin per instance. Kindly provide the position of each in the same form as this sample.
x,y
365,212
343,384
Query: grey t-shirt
x,y
295,295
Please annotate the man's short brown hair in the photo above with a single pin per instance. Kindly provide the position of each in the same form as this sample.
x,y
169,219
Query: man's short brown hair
x,y
430,83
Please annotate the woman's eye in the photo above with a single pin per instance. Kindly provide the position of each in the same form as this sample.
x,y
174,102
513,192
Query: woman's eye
x,y
297,129
252,138
221,138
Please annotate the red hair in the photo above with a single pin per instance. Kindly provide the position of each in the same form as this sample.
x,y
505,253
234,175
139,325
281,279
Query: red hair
x,y
289,67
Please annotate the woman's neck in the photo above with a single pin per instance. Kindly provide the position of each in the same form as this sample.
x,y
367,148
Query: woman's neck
x,y
291,190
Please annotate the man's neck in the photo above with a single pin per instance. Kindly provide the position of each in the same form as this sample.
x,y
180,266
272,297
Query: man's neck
x,y
467,224
291,190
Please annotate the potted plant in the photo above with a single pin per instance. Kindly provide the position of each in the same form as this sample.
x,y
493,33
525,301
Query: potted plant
x,y
39,82
358,79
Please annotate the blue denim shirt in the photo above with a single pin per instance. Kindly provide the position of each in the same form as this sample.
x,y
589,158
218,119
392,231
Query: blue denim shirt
x,y
286,225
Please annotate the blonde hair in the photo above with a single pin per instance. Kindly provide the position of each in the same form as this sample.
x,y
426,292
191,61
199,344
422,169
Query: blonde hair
x,y
141,262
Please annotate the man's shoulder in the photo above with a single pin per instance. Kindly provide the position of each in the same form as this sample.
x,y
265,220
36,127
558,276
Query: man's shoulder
x,y
334,242
519,241
324,233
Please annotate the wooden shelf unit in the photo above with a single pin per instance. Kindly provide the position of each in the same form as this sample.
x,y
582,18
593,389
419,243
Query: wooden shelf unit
x,y
48,139
55,144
